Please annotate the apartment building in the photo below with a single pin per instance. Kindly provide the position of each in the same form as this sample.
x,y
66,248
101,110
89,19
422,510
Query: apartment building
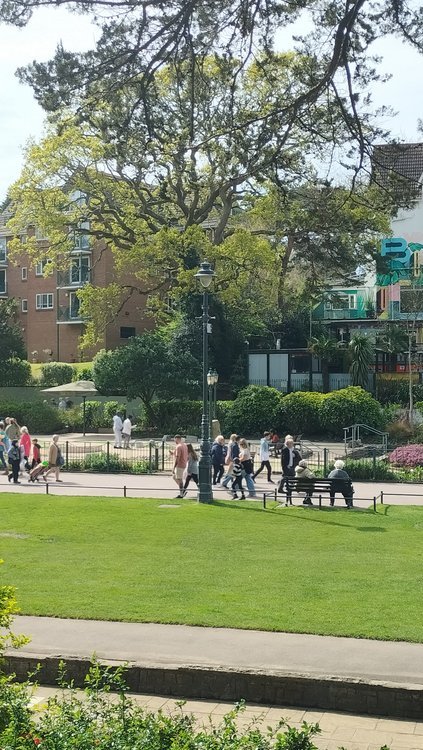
x,y
48,306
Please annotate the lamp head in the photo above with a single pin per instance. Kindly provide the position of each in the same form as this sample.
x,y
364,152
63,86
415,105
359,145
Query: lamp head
x,y
205,274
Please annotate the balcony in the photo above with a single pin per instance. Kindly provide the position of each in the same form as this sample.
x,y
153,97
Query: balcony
x,y
320,313
69,314
73,279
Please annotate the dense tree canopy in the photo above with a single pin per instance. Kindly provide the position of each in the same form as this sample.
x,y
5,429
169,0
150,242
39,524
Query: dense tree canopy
x,y
11,342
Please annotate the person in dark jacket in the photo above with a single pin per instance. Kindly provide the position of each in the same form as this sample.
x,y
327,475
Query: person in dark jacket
x,y
342,483
218,455
14,455
290,458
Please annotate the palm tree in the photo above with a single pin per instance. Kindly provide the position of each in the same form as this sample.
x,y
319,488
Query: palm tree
x,y
326,349
361,351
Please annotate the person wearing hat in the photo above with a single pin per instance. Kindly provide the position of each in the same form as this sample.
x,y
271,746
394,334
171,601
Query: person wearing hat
x,y
305,480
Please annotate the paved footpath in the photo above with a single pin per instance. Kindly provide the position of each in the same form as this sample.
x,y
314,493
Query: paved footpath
x,y
176,645
338,730
161,485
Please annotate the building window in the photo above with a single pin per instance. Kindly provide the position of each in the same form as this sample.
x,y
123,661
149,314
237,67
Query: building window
x,y
3,249
24,305
80,270
43,301
339,301
74,304
3,281
40,234
39,268
126,332
24,273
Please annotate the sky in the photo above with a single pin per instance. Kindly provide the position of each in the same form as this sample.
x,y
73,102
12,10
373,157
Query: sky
x,y
21,117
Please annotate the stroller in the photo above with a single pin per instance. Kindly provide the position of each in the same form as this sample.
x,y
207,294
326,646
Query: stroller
x,y
38,471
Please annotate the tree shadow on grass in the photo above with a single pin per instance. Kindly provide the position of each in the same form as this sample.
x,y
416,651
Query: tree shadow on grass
x,y
304,513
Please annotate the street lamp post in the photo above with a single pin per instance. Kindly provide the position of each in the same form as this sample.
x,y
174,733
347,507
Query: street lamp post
x,y
205,493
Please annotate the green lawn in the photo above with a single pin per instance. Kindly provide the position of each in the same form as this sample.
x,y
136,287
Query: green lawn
x,y
333,572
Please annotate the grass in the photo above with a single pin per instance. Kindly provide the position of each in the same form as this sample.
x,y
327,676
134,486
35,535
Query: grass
x,y
36,367
301,570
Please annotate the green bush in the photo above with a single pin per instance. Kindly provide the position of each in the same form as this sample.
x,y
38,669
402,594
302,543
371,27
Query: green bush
x,y
396,391
300,413
365,470
15,372
142,466
72,419
224,415
348,406
109,410
36,415
177,416
82,373
56,373
255,409
100,463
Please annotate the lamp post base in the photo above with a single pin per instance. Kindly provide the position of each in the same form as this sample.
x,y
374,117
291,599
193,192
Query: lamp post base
x,y
205,492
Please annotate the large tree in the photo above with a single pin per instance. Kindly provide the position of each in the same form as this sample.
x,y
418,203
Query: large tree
x,y
11,341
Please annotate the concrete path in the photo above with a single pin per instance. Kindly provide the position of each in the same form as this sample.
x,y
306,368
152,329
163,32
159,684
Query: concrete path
x,y
175,645
161,485
351,732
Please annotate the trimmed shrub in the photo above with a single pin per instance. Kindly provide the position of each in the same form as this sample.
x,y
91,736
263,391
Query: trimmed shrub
x,y
224,415
82,373
177,416
407,455
15,372
399,431
109,410
300,413
99,462
365,470
36,415
352,405
255,409
56,373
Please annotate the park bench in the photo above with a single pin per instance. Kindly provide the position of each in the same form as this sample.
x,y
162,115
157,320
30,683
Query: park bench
x,y
315,487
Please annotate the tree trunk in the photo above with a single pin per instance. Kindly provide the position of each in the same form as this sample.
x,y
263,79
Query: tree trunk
x,y
284,270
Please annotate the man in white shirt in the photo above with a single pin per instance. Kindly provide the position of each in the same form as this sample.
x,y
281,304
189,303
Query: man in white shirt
x,y
265,457
126,430
117,430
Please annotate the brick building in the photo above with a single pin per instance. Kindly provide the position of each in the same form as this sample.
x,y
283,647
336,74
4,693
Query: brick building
x,y
48,306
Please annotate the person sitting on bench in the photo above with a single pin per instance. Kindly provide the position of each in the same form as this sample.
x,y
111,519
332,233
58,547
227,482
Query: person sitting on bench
x,y
342,484
303,473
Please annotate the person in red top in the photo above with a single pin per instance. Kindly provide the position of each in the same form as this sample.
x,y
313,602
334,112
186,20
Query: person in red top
x,y
180,463
25,442
36,453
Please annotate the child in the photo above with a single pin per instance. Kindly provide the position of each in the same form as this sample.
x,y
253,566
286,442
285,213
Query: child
x,y
237,479
36,454
192,468
302,472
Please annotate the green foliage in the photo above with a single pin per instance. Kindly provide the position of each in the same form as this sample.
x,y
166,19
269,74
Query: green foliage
x,y
15,372
349,406
361,350
390,390
99,462
399,431
56,373
37,416
148,367
255,409
367,470
300,413
109,410
11,341
82,373
224,415
104,716
178,416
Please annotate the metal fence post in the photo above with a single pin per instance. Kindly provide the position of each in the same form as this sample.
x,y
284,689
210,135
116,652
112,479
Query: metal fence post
x,y
325,461
381,498
374,504
156,459
66,453
108,455
46,488
163,449
124,490
374,464
149,453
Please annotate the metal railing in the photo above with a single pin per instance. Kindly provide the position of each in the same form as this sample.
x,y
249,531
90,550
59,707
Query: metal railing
x,y
352,437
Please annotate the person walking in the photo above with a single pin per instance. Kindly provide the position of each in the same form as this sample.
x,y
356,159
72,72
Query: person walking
x,y
35,454
192,468
25,443
237,472
12,429
232,453
55,459
14,455
247,466
265,457
218,455
180,462
342,483
290,458
117,430
127,428
3,448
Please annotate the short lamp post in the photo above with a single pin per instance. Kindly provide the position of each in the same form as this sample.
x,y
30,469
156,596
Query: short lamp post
x,y
212,381
205,494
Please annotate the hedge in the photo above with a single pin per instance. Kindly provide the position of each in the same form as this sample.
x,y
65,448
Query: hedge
x,y
56,373
300,413
36,415
255,409
348,406
15,372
